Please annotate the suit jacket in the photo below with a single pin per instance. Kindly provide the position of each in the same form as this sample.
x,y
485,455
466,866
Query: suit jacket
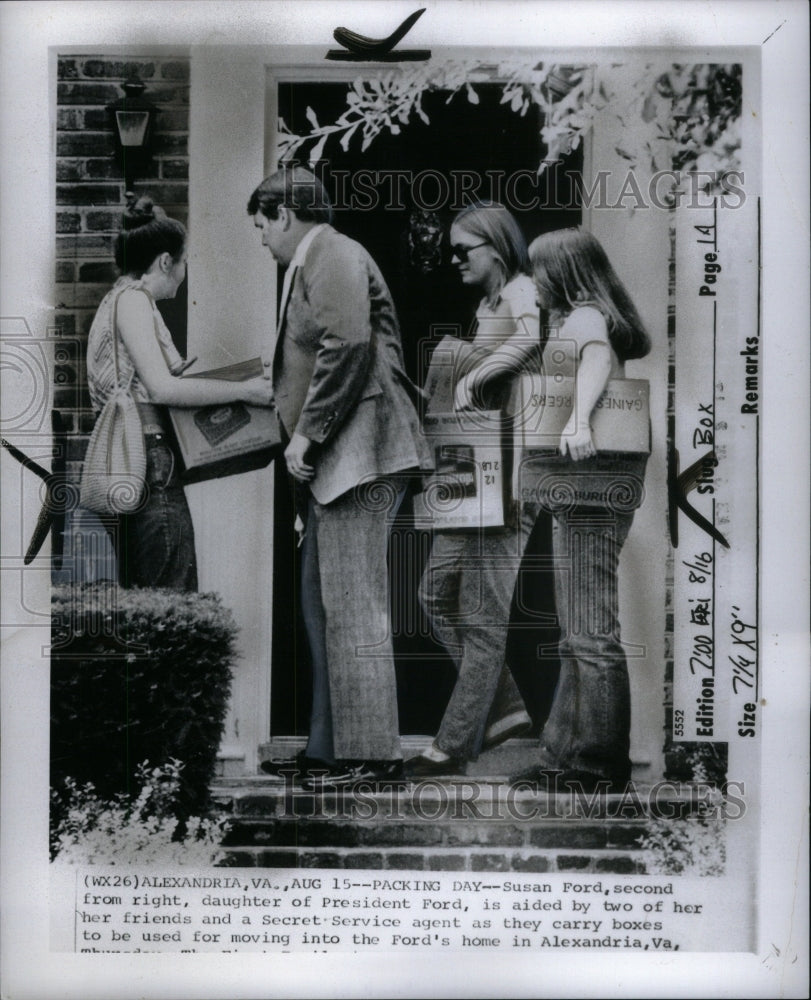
x,y
338,372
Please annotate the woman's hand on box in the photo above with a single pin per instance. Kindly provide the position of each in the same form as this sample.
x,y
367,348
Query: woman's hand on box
x,y
257,391
576,441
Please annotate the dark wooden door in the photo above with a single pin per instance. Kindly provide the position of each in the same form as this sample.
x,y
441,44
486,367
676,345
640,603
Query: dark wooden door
x,y
431,167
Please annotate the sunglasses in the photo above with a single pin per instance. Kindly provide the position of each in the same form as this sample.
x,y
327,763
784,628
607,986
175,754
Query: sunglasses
x,y
464,252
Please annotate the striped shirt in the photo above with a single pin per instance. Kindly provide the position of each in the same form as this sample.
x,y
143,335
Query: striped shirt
x,y
100,363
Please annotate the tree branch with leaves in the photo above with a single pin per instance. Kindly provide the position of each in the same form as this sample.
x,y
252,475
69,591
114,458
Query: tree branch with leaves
x,y
684,117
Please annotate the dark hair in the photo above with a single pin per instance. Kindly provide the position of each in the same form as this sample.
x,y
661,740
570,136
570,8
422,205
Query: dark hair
x,y
147,232
571,269
490,221
297,189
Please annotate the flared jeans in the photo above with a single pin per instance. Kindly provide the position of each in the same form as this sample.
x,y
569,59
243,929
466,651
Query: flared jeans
x,y
588,728
466,591
154,546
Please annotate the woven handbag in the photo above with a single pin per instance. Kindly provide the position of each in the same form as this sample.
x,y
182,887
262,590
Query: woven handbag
x,y
114,472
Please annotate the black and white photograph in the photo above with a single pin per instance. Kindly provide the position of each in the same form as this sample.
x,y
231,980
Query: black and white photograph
x,y
405,484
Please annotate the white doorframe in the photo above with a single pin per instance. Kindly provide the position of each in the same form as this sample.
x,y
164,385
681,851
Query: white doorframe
x,y
232,304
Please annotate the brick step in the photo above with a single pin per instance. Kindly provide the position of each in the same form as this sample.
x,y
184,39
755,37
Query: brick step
x,y
438,859
447,800
459,824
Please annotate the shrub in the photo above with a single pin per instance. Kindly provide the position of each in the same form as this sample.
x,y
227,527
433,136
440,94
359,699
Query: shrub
x,y
134,830
138,675
682,759
689,845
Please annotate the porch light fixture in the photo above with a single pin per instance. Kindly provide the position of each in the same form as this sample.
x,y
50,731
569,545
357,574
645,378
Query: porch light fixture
x,y
133,117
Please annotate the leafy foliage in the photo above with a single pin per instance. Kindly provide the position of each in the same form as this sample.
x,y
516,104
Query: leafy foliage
x,y
667,116
690,845
684,760
142,829
138,675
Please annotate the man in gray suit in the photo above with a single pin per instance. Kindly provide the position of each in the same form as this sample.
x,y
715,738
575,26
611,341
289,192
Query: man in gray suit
x,y
347,409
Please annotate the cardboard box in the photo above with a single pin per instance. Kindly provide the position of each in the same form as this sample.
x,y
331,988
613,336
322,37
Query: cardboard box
x,y
467,490
620,425
620,420
229,438
613,482
450,360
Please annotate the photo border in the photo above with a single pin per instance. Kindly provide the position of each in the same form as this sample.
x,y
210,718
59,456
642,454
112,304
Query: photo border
x,y
779,967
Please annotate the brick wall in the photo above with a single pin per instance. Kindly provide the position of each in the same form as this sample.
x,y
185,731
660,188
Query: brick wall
x,y
90,200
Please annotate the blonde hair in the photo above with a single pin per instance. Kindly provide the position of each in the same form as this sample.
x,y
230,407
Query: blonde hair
x,y
491,222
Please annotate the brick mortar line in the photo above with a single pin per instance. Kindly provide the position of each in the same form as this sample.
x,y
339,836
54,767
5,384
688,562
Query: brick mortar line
x,y
163,105
117,81
98,131
96,157
537,822
253,819
258,819
515,861
477,850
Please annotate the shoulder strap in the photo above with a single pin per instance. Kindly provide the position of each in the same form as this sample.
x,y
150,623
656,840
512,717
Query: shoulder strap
x,y
116,335
115,345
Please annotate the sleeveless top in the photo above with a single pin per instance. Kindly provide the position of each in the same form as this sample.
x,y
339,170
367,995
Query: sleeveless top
x,y
100,363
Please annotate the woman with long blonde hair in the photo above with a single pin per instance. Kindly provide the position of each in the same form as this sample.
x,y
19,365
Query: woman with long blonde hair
x,y
468,583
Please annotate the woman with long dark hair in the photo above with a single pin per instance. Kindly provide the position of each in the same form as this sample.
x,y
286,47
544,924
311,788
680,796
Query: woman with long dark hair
x,y
130,343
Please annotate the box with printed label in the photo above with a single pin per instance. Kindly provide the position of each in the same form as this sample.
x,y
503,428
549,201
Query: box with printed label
x,y
620,429
620,420
467,488
227,438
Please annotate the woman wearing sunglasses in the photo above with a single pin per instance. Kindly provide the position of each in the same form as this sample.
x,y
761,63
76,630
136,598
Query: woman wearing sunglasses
x,y
468,583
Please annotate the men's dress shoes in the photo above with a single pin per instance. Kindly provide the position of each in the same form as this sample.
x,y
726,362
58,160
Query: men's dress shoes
x,y
422,766
373,772
301,763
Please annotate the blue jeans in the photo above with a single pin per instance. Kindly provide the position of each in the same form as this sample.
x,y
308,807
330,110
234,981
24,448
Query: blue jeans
x,y
467,591
155,545
345,606
588,728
